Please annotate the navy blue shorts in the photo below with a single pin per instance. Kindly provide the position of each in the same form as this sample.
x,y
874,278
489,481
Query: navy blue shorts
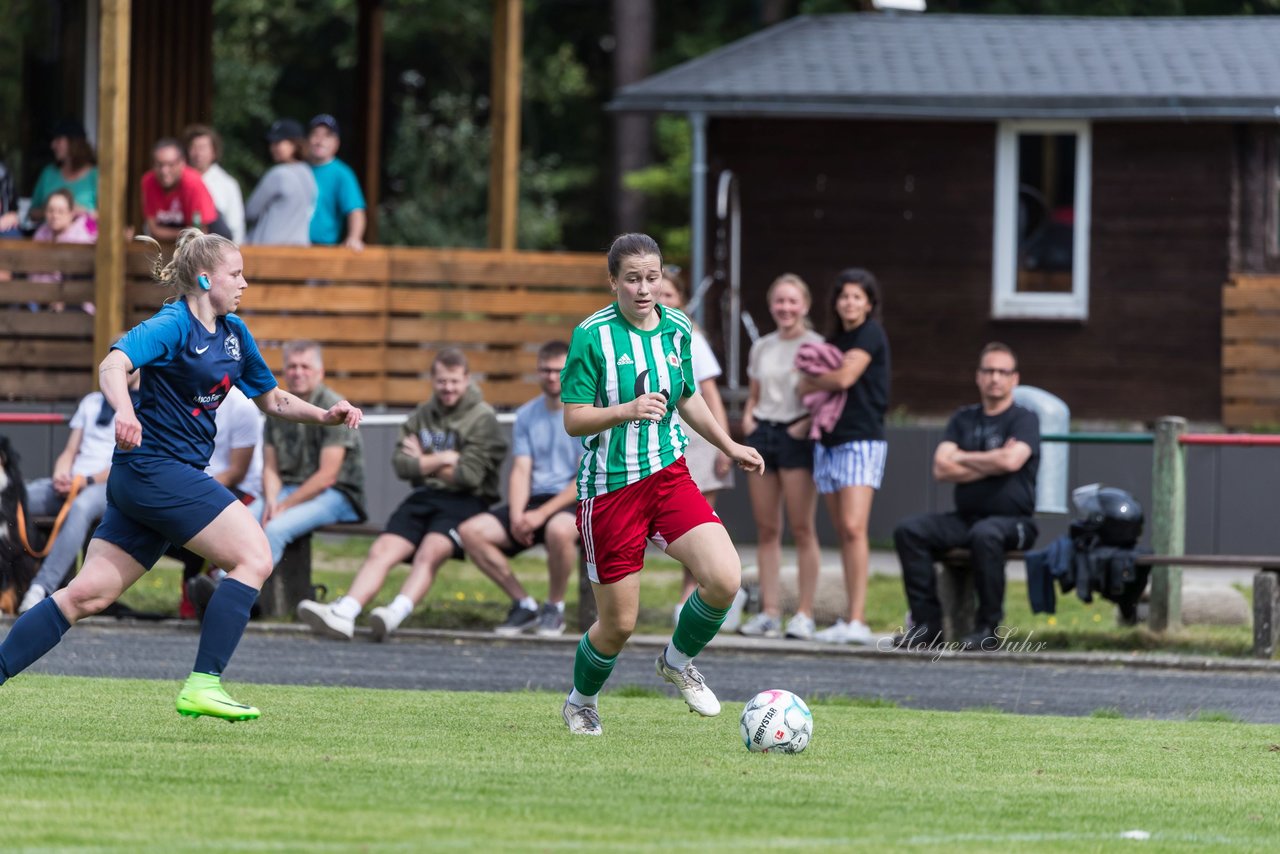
x,y
154,502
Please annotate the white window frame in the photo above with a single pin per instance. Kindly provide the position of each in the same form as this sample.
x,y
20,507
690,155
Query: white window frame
x,y
1006,302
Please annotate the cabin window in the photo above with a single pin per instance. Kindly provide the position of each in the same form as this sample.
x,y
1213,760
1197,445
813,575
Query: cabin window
x,y
1042,221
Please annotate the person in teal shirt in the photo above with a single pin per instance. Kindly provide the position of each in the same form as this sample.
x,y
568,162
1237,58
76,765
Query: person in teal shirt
x,y
340,200
74,168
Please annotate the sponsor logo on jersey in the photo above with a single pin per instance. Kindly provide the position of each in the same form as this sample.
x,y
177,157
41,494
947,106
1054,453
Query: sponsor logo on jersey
x,y
625,359
213,398
673,360
642,387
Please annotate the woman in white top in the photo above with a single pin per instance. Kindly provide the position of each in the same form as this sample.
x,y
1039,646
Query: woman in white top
x,y
776,424
711,470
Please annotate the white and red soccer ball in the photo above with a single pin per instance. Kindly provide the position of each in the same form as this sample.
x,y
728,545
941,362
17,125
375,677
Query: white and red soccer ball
x,y
776,721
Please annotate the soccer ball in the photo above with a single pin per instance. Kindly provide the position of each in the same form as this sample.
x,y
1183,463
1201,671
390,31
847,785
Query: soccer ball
x,y
776,720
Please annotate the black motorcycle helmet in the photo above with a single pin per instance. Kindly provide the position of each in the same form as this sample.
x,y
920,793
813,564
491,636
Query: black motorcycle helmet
x,y
1111,513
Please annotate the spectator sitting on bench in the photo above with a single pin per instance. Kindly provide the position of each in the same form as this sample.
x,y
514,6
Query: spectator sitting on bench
x,y
991,452
86,458
541,498
312,475
236,463
450,449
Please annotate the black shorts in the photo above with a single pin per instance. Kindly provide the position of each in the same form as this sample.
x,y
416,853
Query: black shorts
x,y
503,515
779,450
431,511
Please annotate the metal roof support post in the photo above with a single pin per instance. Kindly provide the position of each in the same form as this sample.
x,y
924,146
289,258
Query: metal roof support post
x,y
698,213
729,208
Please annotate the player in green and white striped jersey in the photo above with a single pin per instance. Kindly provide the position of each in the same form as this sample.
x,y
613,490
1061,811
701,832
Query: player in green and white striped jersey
x,y
629,369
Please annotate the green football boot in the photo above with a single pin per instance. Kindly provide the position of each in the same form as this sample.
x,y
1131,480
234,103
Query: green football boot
x,y
203,695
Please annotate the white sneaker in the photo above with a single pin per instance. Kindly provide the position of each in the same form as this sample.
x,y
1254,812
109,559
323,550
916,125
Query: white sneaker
x,y
35,595
842,632
692,687
582,720
383,621
733,620
858,632
761,626
800,627
321,620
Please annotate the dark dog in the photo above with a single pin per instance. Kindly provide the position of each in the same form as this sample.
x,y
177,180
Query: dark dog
x,y
17,568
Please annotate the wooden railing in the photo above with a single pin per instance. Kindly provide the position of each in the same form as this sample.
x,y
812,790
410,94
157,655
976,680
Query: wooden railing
x,y
1251,352
382,314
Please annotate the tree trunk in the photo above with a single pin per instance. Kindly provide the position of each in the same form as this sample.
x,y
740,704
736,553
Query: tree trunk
x,y
633,133
772,11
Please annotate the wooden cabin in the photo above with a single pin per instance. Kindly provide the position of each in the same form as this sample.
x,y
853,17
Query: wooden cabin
x,y
1103,194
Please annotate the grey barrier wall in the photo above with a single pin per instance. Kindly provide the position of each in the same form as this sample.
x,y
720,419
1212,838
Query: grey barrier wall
x,y
1230,508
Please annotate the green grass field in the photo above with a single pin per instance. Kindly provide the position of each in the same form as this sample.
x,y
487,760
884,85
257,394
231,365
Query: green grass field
x,y
462,598
107,765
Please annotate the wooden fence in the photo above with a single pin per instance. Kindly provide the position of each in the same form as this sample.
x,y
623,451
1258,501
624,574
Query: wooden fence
x,y
1251,352
382,314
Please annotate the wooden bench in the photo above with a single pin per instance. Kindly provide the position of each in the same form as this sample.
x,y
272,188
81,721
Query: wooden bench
x,y
291,582
955,587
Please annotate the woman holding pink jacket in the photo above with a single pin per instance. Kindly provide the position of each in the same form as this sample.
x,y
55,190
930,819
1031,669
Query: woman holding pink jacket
x,y
849,457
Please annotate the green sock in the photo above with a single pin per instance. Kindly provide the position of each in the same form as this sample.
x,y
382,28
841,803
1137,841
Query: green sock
x,y
698,624
591,669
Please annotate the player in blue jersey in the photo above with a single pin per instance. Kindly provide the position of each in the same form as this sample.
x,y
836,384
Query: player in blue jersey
x,y
191,352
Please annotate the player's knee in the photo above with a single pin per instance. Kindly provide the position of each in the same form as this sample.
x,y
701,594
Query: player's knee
x,y
256,565
722,586
617,631
77,603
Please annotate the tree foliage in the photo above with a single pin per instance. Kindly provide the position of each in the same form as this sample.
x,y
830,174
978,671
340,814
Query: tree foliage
x,y
296,58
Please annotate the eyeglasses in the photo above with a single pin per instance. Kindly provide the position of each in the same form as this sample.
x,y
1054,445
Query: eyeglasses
x,y
168,164
548,371
672,269
997,372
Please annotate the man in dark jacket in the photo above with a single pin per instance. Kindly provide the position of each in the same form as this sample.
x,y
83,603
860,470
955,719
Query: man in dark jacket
x,y
451,449
991,452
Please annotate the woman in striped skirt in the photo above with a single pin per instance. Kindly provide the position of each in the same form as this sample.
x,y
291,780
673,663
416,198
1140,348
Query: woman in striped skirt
x,y
849,459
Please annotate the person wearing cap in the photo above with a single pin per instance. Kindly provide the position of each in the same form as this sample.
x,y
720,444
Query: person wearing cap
x,y
341,200
74,167
280,207
204,149
174,196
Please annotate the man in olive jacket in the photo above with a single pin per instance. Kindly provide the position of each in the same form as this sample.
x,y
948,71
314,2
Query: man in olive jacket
x,y
450,449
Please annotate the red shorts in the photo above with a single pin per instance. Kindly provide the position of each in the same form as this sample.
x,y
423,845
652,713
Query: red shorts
x,y
663,507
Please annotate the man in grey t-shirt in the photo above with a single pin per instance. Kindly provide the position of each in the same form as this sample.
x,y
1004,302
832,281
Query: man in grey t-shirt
x,y
541,499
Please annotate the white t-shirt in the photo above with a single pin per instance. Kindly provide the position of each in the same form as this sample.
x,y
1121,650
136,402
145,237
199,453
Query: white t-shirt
x,y
239,426
705,364
228,199
97,443
772,364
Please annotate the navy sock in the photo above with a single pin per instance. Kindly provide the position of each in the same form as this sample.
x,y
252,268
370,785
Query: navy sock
x,y
33,634
224,622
